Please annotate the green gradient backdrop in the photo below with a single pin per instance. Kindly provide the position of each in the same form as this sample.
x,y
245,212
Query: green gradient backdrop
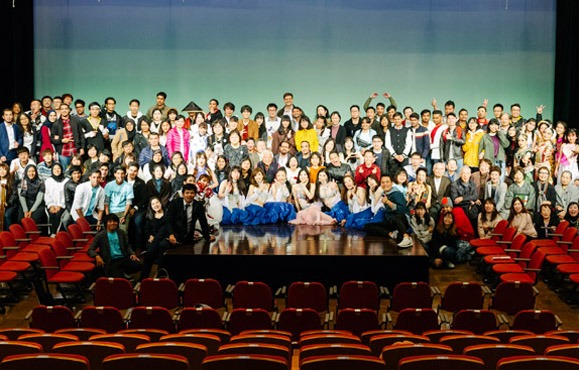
x,y
326,52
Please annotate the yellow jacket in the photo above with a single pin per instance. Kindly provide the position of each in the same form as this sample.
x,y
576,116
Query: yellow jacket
x,y
470,147
309,135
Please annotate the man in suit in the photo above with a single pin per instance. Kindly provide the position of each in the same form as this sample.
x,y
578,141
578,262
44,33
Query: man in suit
x,y
10,137
440,185
183,213
115,257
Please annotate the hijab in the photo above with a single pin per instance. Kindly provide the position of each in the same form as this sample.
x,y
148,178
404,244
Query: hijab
x,y
31,187
47,122
60,177
131,133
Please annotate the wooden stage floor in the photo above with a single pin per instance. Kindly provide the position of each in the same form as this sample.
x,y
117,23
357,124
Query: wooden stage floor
x,y
281,254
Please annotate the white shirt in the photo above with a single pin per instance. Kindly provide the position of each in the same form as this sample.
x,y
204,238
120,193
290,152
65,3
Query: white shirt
x,y
11,138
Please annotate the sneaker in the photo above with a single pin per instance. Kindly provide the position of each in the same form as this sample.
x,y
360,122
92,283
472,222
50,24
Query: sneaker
x,y
393,234
405,243
450,265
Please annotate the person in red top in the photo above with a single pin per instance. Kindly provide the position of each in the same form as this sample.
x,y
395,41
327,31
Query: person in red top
x,y
463,225
366,169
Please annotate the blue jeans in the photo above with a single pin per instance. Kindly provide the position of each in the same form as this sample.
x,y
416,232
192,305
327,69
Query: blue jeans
x,y
64,161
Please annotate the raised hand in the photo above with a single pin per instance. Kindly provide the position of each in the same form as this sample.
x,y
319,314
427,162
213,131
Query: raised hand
x,y
540,109
374,95
387,95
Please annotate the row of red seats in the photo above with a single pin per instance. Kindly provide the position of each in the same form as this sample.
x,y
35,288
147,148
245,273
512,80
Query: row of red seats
x,y
340,348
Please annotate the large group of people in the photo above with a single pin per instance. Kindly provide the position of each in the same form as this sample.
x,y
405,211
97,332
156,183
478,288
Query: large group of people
x,y
439,175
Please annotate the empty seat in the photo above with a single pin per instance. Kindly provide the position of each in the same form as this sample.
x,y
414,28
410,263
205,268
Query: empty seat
x,y
153,334
114,292
203,292
539,342
462,296
446,362
239,348
339,362
436,335
244,362
537,321
223,335
149,361
504,335
95,351
240,319
476,321
14,347
158,292
567,350
276,339
194,353
460,342
348,349
513,296
378,342
410,295
154,317
311,295
298,320
359,294
209,341
45,361
199,317
83,334
391,355
15,333
417,320
328,339
47,340
492,353
357,320
538,362
253,294
107,318
129,341
51,318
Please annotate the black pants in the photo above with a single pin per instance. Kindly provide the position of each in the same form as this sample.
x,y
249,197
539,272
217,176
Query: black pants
x,y
120,267
155,252
390,223
199,214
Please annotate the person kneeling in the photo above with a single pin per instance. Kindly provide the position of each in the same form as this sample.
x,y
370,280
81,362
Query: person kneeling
x,y
114,257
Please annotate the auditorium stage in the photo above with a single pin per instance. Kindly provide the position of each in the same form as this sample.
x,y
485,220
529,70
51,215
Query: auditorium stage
x,y
281,254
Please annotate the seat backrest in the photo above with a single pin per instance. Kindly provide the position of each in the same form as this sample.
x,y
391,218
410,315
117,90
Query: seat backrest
x,y
499,229
476,321
18,231
239,348
307,295
435,335
492,353
339,362
129,341
51,318
275,339
537,321
16,347
149,361
107,318
252,294
95,352
509,234
241,319
209,341
417,320
153,334
517,244
539,342
357,320
45,361
359,294
151,317
159,292
391,355
571,334
114,292
203,292
378,342
504,335
48,259
200,317
83,334
29,224
568,350
462,296
446,362
223,335
410,295
47,340
328,339
15,333
244,362
460,342
538,362
194,353
298,320
350,349
513,296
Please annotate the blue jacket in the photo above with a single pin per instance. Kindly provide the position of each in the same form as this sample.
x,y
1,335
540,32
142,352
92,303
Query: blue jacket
x,y
4,145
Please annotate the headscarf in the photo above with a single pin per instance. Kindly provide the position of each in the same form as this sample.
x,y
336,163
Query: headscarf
x,y
60,177
153,164
177,182
47,122
131,133
31,187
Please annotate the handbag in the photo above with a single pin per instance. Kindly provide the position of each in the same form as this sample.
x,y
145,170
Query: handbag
x,y
362,143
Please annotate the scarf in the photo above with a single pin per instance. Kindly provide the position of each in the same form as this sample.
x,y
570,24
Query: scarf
x,y
31,187
60,177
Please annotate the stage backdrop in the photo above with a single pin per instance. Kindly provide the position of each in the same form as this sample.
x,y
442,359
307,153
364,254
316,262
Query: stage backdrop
x,y
332,52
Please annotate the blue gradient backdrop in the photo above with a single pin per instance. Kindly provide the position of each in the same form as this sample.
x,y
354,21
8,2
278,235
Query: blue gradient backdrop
x,y
326,52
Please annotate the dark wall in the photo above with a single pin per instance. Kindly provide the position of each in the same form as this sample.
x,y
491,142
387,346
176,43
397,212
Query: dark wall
x,y
567,63
17,72
17,53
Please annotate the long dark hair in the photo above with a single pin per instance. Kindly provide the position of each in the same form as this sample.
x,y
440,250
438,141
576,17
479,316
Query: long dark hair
x,y
494,213
441,229
512,213
419,221
150,213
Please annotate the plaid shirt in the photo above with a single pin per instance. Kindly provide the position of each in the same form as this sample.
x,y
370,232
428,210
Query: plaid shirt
x,y
68,149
